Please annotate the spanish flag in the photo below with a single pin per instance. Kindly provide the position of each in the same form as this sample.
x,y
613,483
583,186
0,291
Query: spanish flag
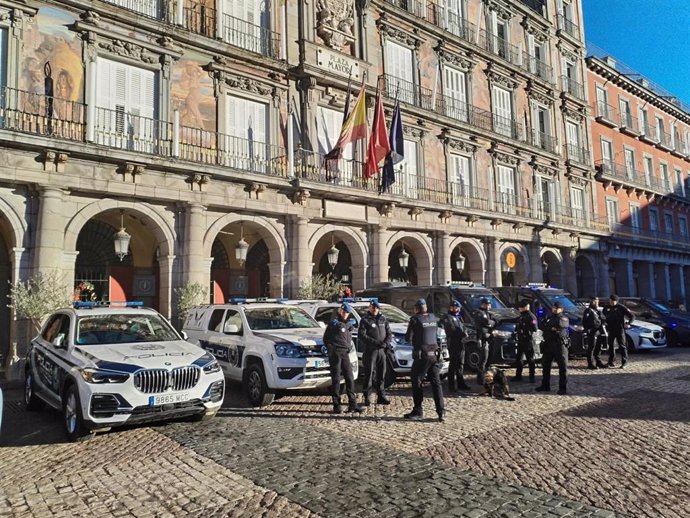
x,y
379,147
354,127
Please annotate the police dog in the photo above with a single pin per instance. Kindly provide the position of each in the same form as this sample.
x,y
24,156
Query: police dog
x,y
496,384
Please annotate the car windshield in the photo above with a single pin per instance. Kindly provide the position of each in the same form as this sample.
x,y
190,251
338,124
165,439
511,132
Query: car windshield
x,y
475,300
393,314
119,328
661,308
568,303
264,319
636,307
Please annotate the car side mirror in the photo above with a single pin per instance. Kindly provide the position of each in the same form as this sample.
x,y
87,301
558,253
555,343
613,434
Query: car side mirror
x,y
322,325
231,329
184,336
59,341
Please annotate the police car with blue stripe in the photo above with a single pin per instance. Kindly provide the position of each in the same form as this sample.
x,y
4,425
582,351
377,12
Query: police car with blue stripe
x,y
266,344
109,365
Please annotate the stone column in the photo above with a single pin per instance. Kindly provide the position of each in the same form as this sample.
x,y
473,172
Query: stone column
x,y
568,273
359,277
443,267
667,281
165,276
681,285
629,282
603,279
536,272
50,232
195,269
379,255
493,263
301,254
275,272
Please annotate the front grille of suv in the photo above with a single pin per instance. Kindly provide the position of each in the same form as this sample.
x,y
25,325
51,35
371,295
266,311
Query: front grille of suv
x,y
154,381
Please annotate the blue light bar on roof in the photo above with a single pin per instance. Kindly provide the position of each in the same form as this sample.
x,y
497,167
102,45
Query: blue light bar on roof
x,y
103,304
243,300
359,299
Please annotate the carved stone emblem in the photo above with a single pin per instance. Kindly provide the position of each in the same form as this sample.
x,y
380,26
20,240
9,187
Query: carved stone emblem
x,y
335,22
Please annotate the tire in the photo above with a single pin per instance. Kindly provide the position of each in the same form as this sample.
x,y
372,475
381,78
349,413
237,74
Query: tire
x,y
256,388
631,344
32,401
472,357
72,417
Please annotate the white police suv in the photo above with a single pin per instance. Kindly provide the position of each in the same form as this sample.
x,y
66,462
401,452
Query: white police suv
x,y
106,366
400,354
265,344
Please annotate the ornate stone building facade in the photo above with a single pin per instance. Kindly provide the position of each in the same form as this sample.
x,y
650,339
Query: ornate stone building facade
x,y
200,128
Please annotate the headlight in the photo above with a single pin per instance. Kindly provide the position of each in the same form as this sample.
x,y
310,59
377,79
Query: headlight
x,y
644,330
288,350
212,367
501,334
97,376
577,328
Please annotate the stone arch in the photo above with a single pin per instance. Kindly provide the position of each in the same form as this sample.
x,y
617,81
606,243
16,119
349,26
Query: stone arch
x,y
475,264
16,225
160,228
522,271
586,276
357,246
553,272
419,245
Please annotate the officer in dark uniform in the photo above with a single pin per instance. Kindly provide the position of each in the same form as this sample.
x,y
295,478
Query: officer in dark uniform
x,y
338,340
422,332
593,325
524,329
556,343
484,323
375,335
455,333
618,317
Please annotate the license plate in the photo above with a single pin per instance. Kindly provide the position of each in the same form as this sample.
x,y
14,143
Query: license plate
x,y
320,364
166,399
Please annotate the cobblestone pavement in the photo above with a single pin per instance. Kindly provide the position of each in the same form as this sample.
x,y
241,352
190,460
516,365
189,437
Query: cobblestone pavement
x,y
616,445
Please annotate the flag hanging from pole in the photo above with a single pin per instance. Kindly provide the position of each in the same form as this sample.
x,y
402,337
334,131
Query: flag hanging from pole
x,y
397,150
379,147
354,127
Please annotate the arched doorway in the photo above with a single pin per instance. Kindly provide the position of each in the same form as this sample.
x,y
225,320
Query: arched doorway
x,y
341,270
101,275
467,254
513,269
400,256
551,268
258,275
586,278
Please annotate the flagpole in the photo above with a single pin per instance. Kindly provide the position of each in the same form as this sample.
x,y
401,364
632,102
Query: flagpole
x,y
290,142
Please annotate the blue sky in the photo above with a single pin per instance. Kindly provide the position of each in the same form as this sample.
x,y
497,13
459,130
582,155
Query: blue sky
x,y
650,36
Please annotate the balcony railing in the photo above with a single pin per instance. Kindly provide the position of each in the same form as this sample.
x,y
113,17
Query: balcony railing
x,y
568,26
537,67
248,36
648,133
507,127
577,154
457,25
407,91
125,130
499,47
425,9
536,5
150,8
629,123
651,237
606,113
631,176
572,87
543,141
200,18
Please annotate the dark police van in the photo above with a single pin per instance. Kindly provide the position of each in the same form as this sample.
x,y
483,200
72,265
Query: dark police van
x,y
541,298
438,298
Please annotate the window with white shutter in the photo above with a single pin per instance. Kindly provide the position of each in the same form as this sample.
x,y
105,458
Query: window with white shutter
x,y
648,168
3,58
454,88
629,162
454,18
247,23
246,134
461,178
328,125
607,156
400,72
126,106
502,111
612,212
666,181
505,189
409,170
680,186
545,197
572,135
577,201
626,113
541,128
635,216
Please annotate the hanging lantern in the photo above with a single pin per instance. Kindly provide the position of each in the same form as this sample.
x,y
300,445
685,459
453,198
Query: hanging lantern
x,y
241,248
460,263
404,258
121,239
333,253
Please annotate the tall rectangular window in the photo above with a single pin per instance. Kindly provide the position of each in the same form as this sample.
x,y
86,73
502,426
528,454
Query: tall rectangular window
x,y
668,222
607,155
644,122
505,189
626,113
400,75
541,131
635,216
653,219
660,131
648,168
612,212
410,169
461,175
573,139
577,201
246,25
665,180
602,103
502,110
630,162
680,186
683,226
546,197
246,138
3,57
454,88
454,18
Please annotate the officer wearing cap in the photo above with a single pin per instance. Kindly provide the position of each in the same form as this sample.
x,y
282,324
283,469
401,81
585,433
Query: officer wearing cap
x,y
618,317
556,343
525,327
593,325
455,331
484,323
338,340
422,333
375,336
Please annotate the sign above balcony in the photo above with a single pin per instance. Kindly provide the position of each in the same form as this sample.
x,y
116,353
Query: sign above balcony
x,y
337,63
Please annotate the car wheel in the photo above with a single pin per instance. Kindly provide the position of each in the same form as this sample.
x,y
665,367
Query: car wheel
x,y
32,401
671,339
256,388
631,344
71,412
472,357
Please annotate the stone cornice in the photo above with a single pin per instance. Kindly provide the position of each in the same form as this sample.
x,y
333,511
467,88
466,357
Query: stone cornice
x,y
398,35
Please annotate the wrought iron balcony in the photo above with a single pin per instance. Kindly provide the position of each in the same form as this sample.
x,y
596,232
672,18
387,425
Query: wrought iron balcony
x,y
126,130
248,36
572,87
577,154
499,47
150,8
663,140
647,133
625,175
568,26
538,6
200,18
656,238
606,114
544,141
456,25
407,91
425,9
537,67
629,124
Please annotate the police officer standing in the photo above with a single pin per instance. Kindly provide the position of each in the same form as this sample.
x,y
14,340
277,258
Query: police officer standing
x,y
618,317
375,335
556,342
524,329
593,325
484,323
422,333
455,332
338,340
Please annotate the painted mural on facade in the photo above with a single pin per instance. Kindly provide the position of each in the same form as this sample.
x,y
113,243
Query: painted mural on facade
x,y
52,50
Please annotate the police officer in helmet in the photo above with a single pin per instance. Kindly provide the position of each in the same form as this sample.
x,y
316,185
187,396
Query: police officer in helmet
x,y
375,335
556,343
485,324
338,340
422,333
593,325
525,327
618,318
455,332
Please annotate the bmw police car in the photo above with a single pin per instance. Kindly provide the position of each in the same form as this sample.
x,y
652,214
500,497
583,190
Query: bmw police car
x,y
104,366
265,344
400,357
